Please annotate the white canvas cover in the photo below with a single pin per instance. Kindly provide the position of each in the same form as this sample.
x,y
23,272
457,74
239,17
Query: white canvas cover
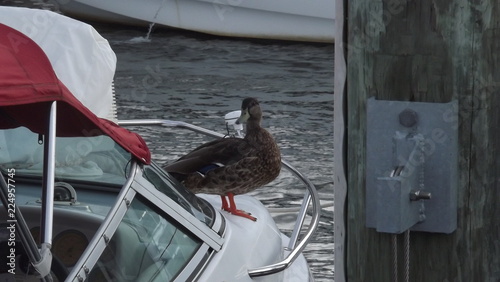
x,y
84,62
81,57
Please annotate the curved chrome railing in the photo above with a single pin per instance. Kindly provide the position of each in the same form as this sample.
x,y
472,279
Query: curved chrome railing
x,y
295,247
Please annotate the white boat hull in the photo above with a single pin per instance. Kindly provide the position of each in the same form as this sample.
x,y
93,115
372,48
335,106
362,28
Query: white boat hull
x,y
296,20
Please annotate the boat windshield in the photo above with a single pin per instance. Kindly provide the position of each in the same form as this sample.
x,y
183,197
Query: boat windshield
x,y
147,246
86,159
166,184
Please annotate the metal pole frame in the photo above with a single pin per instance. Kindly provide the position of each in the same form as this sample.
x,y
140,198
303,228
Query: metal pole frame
x,y
49,165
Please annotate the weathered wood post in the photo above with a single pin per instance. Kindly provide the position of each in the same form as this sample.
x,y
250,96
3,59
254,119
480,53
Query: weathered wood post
x,y
426,51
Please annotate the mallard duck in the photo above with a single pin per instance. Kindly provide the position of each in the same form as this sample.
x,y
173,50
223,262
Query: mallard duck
x,y
232,166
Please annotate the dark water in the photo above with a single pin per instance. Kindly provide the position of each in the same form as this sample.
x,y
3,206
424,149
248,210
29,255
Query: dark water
x,y
184,76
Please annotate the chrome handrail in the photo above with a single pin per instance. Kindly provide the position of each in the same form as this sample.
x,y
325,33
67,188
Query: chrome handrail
x,y
310,195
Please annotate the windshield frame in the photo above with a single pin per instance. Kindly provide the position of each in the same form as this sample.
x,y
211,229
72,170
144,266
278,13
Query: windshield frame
x,y
208,234
137,185
197,206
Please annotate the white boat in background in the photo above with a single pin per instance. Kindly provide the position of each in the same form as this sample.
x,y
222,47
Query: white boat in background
x,y
80,197
295,20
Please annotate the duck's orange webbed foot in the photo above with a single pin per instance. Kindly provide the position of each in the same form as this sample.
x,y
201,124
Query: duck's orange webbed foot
x,y
231,207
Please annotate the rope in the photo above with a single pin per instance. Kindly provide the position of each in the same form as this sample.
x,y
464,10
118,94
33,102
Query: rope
x,y
407,255
394,244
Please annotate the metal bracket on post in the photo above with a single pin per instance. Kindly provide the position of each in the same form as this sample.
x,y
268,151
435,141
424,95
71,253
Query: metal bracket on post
x,y
411,172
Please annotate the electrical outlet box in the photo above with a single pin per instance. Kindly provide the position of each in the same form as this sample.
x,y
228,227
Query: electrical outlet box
x,y
411,166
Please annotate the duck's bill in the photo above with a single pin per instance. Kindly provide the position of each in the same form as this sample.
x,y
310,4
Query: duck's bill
x,y
243,118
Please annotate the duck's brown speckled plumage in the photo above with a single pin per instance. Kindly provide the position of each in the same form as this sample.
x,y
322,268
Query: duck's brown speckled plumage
x,y
249,163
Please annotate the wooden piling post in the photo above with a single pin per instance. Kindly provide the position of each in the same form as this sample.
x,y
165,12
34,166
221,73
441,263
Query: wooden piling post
x,y
426,51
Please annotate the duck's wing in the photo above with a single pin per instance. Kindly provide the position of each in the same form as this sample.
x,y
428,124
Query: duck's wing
x,y
223,151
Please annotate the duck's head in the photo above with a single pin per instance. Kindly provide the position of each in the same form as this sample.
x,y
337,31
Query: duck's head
x,y
250,111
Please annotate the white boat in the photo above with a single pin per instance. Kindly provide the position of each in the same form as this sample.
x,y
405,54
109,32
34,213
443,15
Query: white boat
x,y
297,20
81,199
